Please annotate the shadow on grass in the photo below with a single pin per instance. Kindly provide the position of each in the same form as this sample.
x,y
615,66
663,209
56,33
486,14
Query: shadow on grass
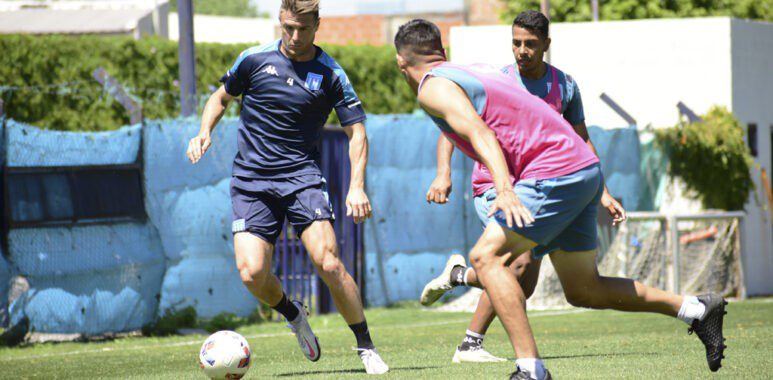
x,y
344,371
598,355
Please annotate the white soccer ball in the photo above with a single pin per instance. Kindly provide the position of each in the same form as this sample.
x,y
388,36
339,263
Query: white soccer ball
x,y
225,355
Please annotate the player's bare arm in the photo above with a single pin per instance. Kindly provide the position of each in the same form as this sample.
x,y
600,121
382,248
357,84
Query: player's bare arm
x,y
213,111
611,204
357,202
443,98
440,188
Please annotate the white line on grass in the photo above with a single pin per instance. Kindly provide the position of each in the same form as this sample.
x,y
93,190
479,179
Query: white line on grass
x,y
266,335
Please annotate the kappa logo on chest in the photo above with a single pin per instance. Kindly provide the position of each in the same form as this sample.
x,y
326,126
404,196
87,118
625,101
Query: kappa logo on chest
x,y
270,70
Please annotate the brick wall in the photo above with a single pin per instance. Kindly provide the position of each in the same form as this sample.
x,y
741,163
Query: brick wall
x,y
445,28
443,21
376,29
485,12
357,30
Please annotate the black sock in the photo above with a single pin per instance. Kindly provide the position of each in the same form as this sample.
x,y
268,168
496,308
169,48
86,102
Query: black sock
x,y
457,275
471,341
362,334
286,308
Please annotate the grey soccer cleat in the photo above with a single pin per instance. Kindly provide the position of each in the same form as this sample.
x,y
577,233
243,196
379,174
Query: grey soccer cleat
x,y
307,341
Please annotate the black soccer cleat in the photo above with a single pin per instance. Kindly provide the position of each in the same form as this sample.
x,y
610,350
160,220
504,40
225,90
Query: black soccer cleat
x,y
709,329
522,374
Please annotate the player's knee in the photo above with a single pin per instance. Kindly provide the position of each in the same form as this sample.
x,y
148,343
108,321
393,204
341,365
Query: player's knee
x,y
332,272
328,263
252,275
331,267
582,299
324,255
480,259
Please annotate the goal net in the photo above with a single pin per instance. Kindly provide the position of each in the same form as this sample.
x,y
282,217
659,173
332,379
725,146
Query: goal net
x,y
706,258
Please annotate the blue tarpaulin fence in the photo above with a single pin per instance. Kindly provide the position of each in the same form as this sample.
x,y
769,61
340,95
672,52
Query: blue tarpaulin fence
x,y
118,276
113,275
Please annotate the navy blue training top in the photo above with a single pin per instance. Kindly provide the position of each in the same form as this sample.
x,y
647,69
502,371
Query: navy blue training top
x,y
285,104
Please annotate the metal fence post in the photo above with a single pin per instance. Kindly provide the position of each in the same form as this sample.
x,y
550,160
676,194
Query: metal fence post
x,y
115,89
739,246
618,109
187,53
674,222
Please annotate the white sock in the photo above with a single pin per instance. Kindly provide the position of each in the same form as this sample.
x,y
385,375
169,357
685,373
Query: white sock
x,y
467,271
691,310
534,366
474,334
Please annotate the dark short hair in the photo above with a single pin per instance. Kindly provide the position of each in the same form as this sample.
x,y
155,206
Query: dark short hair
x,y
534,22
422,37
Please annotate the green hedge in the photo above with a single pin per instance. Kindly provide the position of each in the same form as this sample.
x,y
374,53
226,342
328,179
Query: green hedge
x,y
711,158
46,80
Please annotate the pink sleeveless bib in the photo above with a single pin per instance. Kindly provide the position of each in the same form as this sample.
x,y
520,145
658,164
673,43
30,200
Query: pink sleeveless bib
x,y
538,143
481,178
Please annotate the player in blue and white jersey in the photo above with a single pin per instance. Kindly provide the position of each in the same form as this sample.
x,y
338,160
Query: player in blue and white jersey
x,y
288,89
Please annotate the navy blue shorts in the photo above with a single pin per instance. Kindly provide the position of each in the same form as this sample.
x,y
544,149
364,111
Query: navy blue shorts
x,y
261,205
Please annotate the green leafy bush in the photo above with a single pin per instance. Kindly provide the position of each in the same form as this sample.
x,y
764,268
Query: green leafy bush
x,y
571,10
230,321
171,321
46,80
712,159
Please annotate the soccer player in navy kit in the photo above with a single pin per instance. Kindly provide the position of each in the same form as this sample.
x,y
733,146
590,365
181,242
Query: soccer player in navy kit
x,y
288,89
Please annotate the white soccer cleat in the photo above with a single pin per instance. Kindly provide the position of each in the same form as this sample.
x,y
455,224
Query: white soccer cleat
x,y
475,355
441,284
306,339
374,365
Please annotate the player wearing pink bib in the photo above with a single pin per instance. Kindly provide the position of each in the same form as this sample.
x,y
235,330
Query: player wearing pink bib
x,y
560,91
552,206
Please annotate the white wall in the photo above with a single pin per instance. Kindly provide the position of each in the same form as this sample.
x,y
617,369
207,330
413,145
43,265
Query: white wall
x,y
648,66
752,60
226,30
481,44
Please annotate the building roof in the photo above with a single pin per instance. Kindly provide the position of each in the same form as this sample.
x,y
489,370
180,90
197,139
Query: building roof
x,y
16,5
83,21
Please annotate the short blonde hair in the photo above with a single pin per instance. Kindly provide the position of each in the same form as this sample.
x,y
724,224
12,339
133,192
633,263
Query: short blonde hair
x,y
301,7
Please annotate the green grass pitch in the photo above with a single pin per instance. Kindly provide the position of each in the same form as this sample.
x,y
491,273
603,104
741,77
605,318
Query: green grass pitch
x,y
419,344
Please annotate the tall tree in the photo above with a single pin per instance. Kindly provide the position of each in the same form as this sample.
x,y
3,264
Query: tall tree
x,y
580,10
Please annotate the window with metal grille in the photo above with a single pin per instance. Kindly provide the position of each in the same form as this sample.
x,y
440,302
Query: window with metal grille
x,y
66,195
751,138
